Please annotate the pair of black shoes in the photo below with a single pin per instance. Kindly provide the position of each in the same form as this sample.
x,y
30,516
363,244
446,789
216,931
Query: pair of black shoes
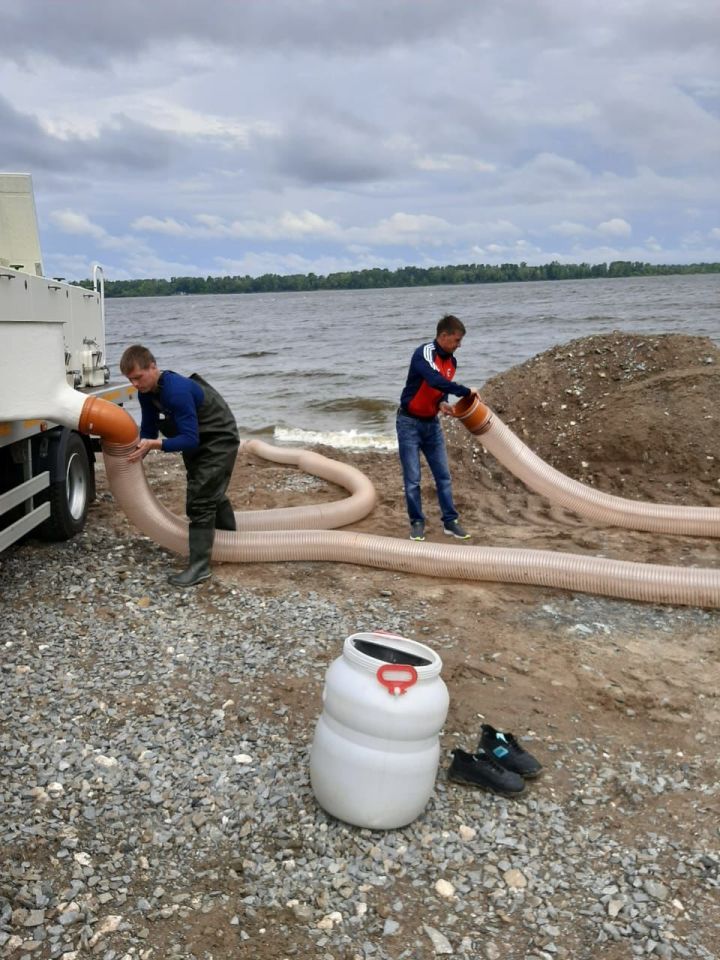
x,y
499,764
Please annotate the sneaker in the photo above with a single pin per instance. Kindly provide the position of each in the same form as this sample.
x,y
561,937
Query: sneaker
x,y
482,770
453,529
508,752
417,530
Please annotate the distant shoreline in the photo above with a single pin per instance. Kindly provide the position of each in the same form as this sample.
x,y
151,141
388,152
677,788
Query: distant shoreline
x,y
403,277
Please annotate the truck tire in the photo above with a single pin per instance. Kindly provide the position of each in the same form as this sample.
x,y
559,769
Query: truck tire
x,y
70,495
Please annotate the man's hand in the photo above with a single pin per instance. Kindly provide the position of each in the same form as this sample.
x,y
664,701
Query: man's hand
x,y
447,408
143,449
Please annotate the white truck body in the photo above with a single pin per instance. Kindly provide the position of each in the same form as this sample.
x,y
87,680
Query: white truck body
x,y
46,470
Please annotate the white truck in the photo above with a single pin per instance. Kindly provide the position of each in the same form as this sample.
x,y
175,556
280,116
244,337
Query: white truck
x,y
47,478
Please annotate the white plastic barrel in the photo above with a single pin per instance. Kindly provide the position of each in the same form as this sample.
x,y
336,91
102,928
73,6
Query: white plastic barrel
x,y
376,749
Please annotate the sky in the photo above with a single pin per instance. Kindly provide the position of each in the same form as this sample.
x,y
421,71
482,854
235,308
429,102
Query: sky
x,y
169,138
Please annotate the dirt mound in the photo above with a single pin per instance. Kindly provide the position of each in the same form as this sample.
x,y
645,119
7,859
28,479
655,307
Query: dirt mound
x,y
604,408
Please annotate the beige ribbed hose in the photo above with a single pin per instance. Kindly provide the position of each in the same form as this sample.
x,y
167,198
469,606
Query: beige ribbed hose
x,y
615,578
499,440
130,488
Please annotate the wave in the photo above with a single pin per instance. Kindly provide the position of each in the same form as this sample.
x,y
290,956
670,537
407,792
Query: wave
x,y
353,404
298,376
339,439
256,354
265,432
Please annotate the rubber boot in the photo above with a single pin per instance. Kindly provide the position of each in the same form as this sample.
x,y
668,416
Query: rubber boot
x,y
225,516
200,541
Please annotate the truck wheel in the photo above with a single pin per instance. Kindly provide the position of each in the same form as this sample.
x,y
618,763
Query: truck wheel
x,y
69,496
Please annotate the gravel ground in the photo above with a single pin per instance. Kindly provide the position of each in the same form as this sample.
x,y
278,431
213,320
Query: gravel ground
x,y
156,802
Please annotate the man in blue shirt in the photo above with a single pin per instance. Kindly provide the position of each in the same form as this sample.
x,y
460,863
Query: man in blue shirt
x,y
195,421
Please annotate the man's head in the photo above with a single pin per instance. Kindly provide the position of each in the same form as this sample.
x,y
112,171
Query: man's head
x,y
139,366
450,332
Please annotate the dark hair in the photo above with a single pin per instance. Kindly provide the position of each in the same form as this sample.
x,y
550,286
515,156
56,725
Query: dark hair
x,y
450,324
135,356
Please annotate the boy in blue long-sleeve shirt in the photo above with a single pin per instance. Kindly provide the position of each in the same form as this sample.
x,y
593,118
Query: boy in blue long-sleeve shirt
x,y
194,420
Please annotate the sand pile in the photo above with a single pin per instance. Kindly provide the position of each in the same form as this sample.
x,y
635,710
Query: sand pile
x,y
604,409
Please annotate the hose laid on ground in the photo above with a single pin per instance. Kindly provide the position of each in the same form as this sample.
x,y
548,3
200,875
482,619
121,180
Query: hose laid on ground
x,y
318,516
132,491
615,578
512,453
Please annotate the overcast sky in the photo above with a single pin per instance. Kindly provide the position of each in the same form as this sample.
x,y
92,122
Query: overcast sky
x,y
171,138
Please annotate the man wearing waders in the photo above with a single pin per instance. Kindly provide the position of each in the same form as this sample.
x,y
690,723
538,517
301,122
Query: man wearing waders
x,y
195,421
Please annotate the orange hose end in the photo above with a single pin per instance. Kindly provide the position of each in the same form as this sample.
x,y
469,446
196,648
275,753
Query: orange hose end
x,y
473,414
107,420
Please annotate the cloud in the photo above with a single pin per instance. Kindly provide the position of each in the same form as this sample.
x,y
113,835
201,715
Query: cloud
x,y
403,228
168,226
567,228
287,226
69,221
330,146
453,162
78,32
178,120
398,229
120,143
617,227
79,224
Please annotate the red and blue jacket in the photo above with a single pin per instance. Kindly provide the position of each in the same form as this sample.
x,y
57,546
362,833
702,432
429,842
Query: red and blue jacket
x,y
429,381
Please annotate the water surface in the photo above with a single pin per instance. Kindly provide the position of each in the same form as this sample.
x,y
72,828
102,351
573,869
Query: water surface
x,y
329,366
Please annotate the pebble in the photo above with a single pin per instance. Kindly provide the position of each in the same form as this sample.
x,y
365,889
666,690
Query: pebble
x,y
441,944
656,890
614,907
35,918
515,879
445,889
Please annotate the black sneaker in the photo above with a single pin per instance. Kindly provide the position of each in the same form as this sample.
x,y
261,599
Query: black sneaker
x,y
454,529
417,530
482,770
508,752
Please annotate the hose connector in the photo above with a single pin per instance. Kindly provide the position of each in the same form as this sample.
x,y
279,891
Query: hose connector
x,y
473,414
107,420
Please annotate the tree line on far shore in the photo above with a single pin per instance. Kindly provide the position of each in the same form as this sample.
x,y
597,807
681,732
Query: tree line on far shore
x,y
402,277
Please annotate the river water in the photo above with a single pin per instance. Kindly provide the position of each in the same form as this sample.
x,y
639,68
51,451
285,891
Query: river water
x,y
328,367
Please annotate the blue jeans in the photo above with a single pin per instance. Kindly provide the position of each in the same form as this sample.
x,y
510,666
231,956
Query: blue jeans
x,y
426,436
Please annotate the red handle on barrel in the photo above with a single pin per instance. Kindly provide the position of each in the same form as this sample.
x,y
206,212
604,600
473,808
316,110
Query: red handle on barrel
x,y
397,685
